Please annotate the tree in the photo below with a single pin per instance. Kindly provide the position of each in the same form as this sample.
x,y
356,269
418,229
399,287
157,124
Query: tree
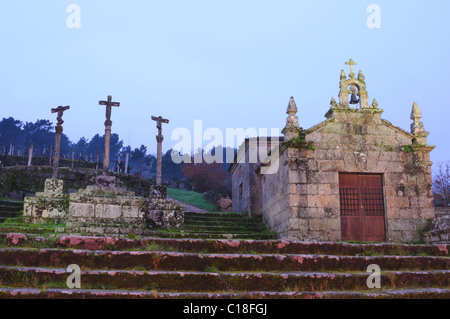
x,y
96,146
170,170
441,183
204,176
137,158
81,148
66,145
41,134
115,147
11,132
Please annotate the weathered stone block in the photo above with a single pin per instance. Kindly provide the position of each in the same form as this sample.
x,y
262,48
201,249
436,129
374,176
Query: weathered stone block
x,y
81,210
297,177
130,212
158,192
165,214
54,186
111,212
46,207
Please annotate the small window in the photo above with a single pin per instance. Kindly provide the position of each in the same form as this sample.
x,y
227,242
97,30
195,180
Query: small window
x,y
359,130
240,192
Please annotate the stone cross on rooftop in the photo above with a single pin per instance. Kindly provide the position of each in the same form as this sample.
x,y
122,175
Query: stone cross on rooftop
x,y
159,138
59,129
108,123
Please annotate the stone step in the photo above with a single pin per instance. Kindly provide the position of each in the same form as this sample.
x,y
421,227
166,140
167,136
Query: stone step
x,y
31,293
223,223
226,229
241,246
176,261
203,235
10,208
41,230
11,204
174,281
220,220
8,213
217,215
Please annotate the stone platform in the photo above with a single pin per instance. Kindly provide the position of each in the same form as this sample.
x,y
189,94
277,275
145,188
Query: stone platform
x,y
106,210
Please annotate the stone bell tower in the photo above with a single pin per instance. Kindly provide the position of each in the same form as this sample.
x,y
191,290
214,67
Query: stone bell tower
x,y
354,86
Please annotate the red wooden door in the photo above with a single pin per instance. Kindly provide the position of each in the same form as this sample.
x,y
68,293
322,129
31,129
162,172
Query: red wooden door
x,y
362,207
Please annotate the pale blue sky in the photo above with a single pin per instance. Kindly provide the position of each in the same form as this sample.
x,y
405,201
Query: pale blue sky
x,y
229,63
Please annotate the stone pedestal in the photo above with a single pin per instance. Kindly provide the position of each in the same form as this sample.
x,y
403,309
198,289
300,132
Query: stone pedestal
x,y
105,181
164,214
158,192
103,210
51,206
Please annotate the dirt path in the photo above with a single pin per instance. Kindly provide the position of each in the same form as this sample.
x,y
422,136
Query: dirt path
x,y
189,207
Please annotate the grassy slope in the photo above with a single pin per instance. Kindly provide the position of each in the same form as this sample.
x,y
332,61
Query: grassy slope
x,y
193,198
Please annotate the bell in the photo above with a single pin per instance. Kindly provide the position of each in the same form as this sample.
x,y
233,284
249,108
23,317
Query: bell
x,y
354,99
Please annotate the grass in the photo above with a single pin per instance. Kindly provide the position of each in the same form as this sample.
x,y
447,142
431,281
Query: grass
x,y
192,198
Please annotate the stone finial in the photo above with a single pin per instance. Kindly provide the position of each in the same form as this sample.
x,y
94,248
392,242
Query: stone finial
x,y
292,107
375,104
343,75
290,131
415,113
417,128
333,102
361,76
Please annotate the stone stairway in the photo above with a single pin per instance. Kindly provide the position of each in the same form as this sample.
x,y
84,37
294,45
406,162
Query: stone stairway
x,y
9,209
219,226
196,225
177,268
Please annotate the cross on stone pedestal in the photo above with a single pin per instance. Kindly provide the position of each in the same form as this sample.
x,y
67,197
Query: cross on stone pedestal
x,y
108,123
59,129
351,63
159,138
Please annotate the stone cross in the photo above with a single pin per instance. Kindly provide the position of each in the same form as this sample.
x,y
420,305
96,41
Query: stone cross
x,y
59,129
351,63
159,138
108,123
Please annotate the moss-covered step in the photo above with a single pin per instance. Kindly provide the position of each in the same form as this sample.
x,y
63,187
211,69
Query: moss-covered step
x,y
45,293
177,261
204,235
170,281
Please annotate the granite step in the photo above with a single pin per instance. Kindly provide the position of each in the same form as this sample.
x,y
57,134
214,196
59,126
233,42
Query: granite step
x,y
32,293
243,223
219,269
227,229
170,281
221,219
11,204
205,235
222,246
7,228
177,261
4,208
216,215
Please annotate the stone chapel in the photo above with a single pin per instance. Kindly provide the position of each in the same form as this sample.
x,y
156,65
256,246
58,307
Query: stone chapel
x,y
353,177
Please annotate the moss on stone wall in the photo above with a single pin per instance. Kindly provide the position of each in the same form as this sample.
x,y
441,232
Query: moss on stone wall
x,y
299,141
20,181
